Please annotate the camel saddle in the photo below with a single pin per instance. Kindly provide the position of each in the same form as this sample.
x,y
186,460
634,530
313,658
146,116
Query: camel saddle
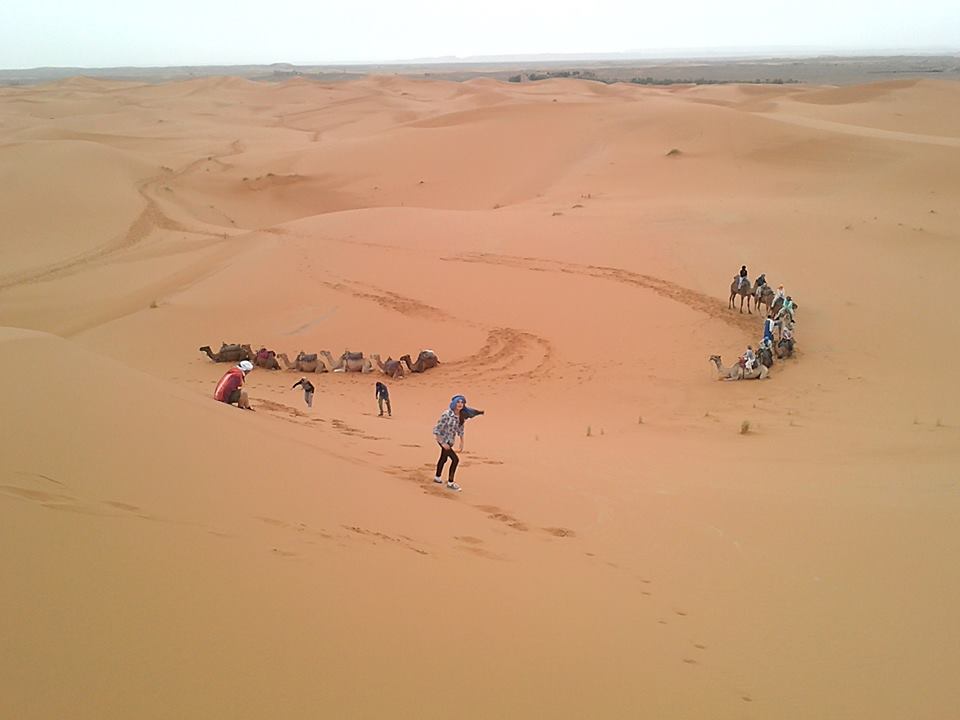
x,y
234,347
307,358
353,356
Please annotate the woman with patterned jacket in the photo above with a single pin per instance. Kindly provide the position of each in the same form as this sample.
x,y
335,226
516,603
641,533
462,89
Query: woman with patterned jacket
x,y
448,427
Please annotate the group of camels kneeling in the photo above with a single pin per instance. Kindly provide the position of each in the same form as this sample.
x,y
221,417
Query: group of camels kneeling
x,y
761,370
312,363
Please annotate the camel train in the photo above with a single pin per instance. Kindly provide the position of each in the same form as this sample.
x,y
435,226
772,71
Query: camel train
x,y
324,361
778,306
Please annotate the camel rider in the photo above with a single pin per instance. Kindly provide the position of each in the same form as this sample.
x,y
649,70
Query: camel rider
x,y
768,325
779,294
787,308
749,359
744,277
760,283
786,333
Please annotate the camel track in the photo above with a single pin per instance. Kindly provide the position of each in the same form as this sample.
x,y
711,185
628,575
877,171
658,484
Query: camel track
x,y
508,354
691,298
150,219
387,299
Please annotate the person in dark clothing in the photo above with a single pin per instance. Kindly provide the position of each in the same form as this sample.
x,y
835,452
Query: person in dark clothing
x,y
307,390
383,396
744,276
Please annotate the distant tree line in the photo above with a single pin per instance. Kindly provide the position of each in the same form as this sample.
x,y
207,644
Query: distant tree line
x,y
587,75
708,81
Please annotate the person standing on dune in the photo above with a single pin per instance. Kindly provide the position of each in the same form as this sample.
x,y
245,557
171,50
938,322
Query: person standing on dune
x,y
230,387
445,431
383,396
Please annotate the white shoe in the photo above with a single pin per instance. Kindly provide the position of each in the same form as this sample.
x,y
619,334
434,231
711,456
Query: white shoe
x,y
438,480
453,486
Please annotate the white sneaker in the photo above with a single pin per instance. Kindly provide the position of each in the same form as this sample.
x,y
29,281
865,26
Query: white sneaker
x,y
438,480
453,486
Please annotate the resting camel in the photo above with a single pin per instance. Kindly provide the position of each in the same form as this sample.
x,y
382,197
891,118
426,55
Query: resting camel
x,y
736,371
304,363
266,359
229,353
348,362
744,292
393,368
425,360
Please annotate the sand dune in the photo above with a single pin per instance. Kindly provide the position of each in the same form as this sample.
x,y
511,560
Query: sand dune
x,y
620,547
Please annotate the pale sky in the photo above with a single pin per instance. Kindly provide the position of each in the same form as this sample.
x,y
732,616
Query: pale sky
x,y
106,33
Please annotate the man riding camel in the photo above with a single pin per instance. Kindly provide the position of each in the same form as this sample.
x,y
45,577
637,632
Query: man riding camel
x,y
744,277
760,284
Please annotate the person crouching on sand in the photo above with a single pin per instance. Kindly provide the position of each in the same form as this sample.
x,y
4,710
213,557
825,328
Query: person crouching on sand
x,y
230,388
447,428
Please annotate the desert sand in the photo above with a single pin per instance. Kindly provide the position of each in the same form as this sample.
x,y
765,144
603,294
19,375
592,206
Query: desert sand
x,y
620,548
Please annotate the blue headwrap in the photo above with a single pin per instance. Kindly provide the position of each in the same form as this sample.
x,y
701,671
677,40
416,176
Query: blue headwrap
x,y
453,401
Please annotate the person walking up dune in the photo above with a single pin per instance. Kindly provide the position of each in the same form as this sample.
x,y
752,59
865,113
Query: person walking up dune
x,y
448,427
308,390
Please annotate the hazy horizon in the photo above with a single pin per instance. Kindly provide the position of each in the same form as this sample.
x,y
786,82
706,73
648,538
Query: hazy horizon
x,y
94,34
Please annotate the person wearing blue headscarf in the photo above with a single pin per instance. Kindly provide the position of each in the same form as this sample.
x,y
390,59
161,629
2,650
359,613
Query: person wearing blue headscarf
x,y
448,427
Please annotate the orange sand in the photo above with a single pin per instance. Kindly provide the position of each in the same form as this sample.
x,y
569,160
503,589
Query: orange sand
x,y
169,557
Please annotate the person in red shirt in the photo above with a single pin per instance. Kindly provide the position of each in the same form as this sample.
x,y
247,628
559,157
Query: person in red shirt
x,y
230,388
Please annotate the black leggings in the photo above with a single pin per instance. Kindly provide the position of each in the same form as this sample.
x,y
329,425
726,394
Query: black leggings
x,y
454,461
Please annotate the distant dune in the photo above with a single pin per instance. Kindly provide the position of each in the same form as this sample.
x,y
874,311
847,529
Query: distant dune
x,y
633,537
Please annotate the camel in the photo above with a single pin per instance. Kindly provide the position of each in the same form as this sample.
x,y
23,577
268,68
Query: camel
x,y
229,353
304,363
744,292
393,368
765,357
425,360
348,362
266,359
784,348
763,295
736,371
777,305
